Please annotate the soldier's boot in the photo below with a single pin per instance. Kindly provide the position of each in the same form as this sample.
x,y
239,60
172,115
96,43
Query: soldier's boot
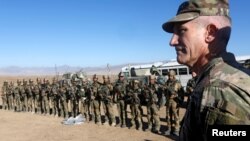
x,y
157,129
149,128
139,125
70,114
106,122
176,133
113,124
132,125
98,120
119,123
123,123
168,131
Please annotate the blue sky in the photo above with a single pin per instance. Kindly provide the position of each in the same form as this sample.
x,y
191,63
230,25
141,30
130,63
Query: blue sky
x,y
89,33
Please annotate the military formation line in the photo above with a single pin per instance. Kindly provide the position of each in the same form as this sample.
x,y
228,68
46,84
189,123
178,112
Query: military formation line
x,y
64,98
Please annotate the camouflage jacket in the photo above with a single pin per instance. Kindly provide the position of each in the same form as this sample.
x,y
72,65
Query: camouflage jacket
x,y
221,97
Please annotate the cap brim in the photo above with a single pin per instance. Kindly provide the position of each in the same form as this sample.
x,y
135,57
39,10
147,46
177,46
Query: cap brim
x,y
184,17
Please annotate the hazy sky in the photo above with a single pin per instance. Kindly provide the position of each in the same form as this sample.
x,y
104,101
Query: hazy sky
x,y
96,32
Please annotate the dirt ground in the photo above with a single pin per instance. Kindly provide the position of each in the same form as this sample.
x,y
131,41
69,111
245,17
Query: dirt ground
x,y
21,126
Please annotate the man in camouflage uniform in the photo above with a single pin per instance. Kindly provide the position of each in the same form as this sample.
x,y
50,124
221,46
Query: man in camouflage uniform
x,y
10,97
83,101
17,95
36,96
45,91
106,98
63,106
119,98
150,93
134,92
201,31
95,101
174,97
4,95
191,85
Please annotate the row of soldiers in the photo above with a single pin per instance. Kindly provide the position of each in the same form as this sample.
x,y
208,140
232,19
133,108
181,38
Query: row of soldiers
x,y
69,98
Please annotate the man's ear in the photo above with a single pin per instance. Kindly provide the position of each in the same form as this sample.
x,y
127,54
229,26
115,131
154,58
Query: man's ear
x,y
211,32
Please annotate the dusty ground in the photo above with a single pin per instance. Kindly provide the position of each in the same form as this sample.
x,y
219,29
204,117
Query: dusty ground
x,y
19,126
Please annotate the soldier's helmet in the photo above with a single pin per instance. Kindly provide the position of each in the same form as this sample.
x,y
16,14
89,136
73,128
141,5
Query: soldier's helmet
x,y
18,81
30,81
171,73
120,74
104,77
5,82
95,77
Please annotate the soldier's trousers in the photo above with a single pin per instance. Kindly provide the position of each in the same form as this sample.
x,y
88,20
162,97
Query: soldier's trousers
x,y
109,111
97,112
135,115
122,111
72,107
10,102
4,101
24,103
36,106
83,107
104,107
63,108
29,104
153,116
17,103
45,105
172,114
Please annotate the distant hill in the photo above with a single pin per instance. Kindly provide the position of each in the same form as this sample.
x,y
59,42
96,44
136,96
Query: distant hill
x,y
15,70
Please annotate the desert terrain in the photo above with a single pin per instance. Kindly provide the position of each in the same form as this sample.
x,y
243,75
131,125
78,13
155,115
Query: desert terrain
x,y
25,126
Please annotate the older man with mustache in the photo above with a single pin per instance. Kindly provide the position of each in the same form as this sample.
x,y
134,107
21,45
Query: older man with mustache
x,y
201,30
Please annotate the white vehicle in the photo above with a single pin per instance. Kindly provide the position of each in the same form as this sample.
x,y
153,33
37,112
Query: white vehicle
x,y
183,73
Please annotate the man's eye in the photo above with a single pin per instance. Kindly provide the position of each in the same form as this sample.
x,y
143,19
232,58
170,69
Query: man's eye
x,y
182,30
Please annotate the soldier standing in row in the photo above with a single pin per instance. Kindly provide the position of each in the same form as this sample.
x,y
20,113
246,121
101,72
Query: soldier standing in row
x,y
106,95
37,97
95,101
174,97
134,93
10,97
119,98
4,95
17,96
150,93
190,86
84,107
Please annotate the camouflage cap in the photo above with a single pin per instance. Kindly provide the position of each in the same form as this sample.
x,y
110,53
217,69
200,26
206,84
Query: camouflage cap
x,y
192,9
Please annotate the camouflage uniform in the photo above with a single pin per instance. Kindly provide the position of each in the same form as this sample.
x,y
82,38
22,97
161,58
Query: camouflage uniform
x,y
17,93
45,91
10,97
106,98
95,101
54,98
174,97
37,97
63,106
190,87
82,102
134,93
4,95
150,93
119,98
221,96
